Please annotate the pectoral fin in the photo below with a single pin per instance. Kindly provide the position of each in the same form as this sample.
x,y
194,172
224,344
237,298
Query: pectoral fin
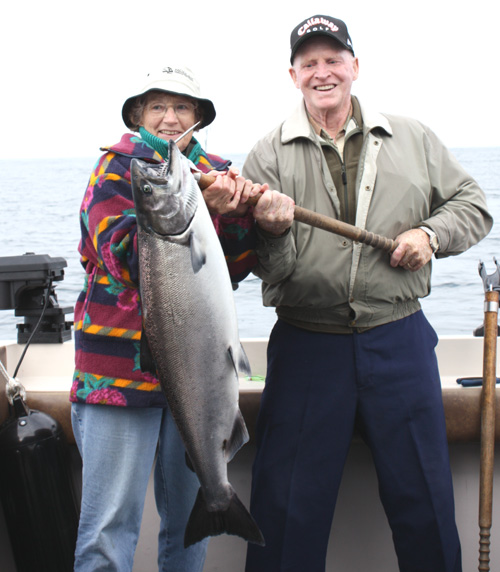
x,y
240,361
198,254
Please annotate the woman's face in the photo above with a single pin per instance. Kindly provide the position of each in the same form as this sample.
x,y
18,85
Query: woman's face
x,y
168,116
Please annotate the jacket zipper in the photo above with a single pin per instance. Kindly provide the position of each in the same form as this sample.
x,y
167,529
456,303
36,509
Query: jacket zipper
x,y
346,196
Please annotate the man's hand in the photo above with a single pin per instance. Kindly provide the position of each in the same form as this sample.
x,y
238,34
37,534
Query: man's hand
x,y
274,212
413,251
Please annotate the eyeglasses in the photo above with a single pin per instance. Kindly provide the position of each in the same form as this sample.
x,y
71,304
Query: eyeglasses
x,y
181,109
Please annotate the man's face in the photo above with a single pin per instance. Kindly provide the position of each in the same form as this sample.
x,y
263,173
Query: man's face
x,y
324,71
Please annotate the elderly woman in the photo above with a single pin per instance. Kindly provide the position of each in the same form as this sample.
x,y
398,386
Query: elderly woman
x,y
120,416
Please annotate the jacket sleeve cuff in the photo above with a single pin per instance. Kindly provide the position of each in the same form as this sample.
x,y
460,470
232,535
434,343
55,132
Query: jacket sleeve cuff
x,y
276,256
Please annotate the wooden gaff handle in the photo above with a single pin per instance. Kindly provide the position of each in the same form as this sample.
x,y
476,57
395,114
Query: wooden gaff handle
x,y
488,407
324,222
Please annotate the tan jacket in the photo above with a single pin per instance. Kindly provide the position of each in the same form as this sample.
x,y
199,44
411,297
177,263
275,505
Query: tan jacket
x,y
406,177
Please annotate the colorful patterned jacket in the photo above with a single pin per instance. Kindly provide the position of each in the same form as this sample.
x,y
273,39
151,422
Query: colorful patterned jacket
x,y
108,310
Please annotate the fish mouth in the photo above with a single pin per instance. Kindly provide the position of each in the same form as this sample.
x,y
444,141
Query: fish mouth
x,y
164,170
161,171
167,167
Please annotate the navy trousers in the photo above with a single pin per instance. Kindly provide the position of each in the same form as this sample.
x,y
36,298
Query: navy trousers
x,y
317,385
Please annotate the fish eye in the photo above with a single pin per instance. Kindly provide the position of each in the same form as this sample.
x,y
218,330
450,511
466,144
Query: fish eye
x,y
147,189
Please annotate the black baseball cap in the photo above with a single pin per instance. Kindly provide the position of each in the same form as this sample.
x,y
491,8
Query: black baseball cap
x,y
319,26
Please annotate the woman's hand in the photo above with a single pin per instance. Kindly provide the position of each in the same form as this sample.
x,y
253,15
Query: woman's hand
x,y
229,193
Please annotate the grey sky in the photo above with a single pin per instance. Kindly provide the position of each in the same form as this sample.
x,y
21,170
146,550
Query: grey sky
x,y
66,68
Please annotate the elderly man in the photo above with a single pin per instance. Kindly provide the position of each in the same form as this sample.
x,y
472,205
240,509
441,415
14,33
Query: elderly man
x,y
351,344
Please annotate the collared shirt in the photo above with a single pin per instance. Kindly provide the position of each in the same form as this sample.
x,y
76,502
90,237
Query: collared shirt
x,y
339,141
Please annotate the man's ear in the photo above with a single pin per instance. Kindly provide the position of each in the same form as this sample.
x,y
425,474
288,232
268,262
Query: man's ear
x,y
293,75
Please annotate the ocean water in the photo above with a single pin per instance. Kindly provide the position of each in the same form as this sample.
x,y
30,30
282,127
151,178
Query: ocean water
x,y
40,200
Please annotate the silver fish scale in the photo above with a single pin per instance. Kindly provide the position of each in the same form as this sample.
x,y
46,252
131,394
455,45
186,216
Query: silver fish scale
x,y
190,323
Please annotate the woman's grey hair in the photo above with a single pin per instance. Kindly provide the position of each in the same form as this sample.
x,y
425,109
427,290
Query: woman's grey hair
x,y
140,102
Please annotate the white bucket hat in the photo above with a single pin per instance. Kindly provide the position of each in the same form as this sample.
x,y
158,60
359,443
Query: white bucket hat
x,y
177,80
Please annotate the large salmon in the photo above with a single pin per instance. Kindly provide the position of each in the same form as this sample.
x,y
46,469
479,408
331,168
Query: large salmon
x,y
189,322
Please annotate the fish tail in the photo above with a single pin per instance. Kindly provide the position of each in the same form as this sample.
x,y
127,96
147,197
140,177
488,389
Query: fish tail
x,y
234,520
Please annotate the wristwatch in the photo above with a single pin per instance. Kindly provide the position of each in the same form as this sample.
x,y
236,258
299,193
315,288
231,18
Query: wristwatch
x,y
433,239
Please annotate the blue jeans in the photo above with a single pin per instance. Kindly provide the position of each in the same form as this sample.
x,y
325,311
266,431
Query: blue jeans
x,y
118,447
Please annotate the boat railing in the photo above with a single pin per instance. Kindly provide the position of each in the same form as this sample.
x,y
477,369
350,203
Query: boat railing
x,y
46,373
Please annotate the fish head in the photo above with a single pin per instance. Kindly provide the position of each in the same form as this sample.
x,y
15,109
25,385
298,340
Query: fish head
x,y
165,195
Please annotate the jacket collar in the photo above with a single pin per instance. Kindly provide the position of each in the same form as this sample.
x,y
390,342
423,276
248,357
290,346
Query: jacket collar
x,y
298,125
374,120
131,145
